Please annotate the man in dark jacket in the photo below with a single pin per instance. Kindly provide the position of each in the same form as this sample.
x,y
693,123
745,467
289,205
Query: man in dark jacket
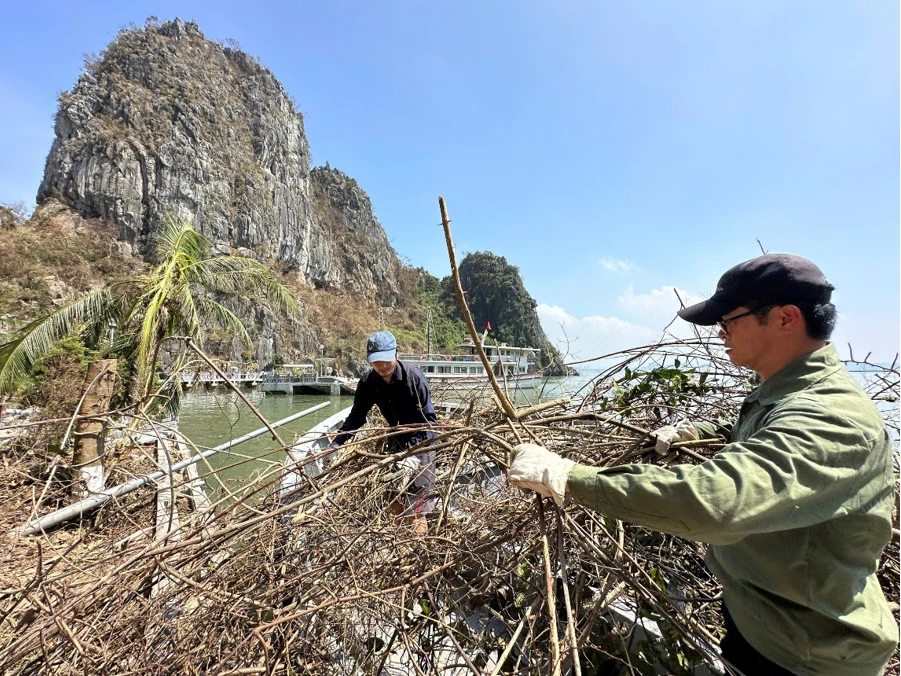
x,y
401,393
796,508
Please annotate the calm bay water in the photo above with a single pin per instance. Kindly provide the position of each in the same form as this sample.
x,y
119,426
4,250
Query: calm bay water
x,y
213,417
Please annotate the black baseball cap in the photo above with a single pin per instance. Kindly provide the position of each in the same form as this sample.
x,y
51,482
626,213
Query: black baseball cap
x,y
781,279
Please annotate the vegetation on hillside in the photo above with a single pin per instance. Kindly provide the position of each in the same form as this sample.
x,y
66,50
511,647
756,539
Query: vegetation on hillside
x,y
447,326
56,258
132,318
51,259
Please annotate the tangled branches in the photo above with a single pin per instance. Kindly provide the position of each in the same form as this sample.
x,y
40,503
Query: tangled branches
x,y
326,580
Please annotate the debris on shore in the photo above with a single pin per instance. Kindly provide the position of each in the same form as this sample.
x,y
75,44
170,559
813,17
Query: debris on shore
x,y
329,581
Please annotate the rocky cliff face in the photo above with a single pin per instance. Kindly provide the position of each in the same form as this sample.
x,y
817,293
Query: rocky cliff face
x,y
168,122
357,256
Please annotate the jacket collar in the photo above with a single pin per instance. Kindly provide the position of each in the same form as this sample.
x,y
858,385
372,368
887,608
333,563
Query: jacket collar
x,y
797,376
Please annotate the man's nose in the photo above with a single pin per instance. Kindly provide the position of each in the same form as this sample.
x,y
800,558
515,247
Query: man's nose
x,y
722,334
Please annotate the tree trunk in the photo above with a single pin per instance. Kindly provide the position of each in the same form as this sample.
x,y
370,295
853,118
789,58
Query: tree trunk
x,y
87,458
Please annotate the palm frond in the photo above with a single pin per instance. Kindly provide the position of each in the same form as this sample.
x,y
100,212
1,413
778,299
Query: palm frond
x,y
217,313
188,317
19,356
237,275
153,306
178,237
125,346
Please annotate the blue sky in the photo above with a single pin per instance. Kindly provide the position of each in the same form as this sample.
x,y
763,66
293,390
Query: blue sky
x,y
610,150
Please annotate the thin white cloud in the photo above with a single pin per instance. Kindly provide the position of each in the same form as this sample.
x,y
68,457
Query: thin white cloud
x,y
620,266
592,336
657,305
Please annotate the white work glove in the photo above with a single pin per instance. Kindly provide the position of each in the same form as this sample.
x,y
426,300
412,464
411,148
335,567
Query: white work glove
x,y
538,469
408,468
667,435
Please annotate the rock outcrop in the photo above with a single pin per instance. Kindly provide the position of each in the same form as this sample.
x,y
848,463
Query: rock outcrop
x,y
497,296
357,256
166,121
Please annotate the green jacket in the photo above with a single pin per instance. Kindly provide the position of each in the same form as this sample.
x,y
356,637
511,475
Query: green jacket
x,y
797,510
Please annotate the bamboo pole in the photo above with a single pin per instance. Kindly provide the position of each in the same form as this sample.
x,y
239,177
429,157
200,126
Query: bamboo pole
x,y
549,590
570,617
512,417
467,316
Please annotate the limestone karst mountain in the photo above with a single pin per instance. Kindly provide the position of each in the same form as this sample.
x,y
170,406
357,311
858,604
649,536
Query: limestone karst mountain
x,y
166,121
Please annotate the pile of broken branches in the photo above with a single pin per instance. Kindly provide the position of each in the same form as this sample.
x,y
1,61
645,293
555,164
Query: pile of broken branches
x,y
327,581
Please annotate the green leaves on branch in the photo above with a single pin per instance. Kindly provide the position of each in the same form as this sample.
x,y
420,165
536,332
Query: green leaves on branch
x,y
670,386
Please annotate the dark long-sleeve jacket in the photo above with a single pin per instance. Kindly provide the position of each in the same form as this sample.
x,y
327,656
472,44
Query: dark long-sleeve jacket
x,y
406,400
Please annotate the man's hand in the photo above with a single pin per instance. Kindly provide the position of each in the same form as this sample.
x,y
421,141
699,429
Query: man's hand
x,y
538,469
667,435
406,469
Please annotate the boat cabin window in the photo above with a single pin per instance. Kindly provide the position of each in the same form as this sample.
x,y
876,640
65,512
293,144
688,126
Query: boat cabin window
x,y
475,369
428,369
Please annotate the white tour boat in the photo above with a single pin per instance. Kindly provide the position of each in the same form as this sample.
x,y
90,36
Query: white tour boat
x,y
515,366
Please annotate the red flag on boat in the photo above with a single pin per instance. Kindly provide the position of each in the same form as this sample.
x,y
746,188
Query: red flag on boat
x,y
488,326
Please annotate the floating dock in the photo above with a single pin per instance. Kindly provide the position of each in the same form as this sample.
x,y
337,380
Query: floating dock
x,y
307,384
209,379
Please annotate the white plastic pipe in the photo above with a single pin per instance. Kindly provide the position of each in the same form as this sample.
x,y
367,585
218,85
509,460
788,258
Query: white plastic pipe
x,y
77,509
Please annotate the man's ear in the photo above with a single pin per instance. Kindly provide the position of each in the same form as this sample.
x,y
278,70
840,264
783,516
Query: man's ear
x,y
790,318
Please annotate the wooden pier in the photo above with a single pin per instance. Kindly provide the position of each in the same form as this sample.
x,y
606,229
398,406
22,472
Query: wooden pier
x,y
274,383
208,379
307,384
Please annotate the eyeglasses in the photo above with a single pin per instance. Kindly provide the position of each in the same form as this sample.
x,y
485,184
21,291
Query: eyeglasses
x,y
725,321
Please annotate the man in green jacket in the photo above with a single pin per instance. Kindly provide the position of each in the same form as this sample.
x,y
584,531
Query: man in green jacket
x,y
796,508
